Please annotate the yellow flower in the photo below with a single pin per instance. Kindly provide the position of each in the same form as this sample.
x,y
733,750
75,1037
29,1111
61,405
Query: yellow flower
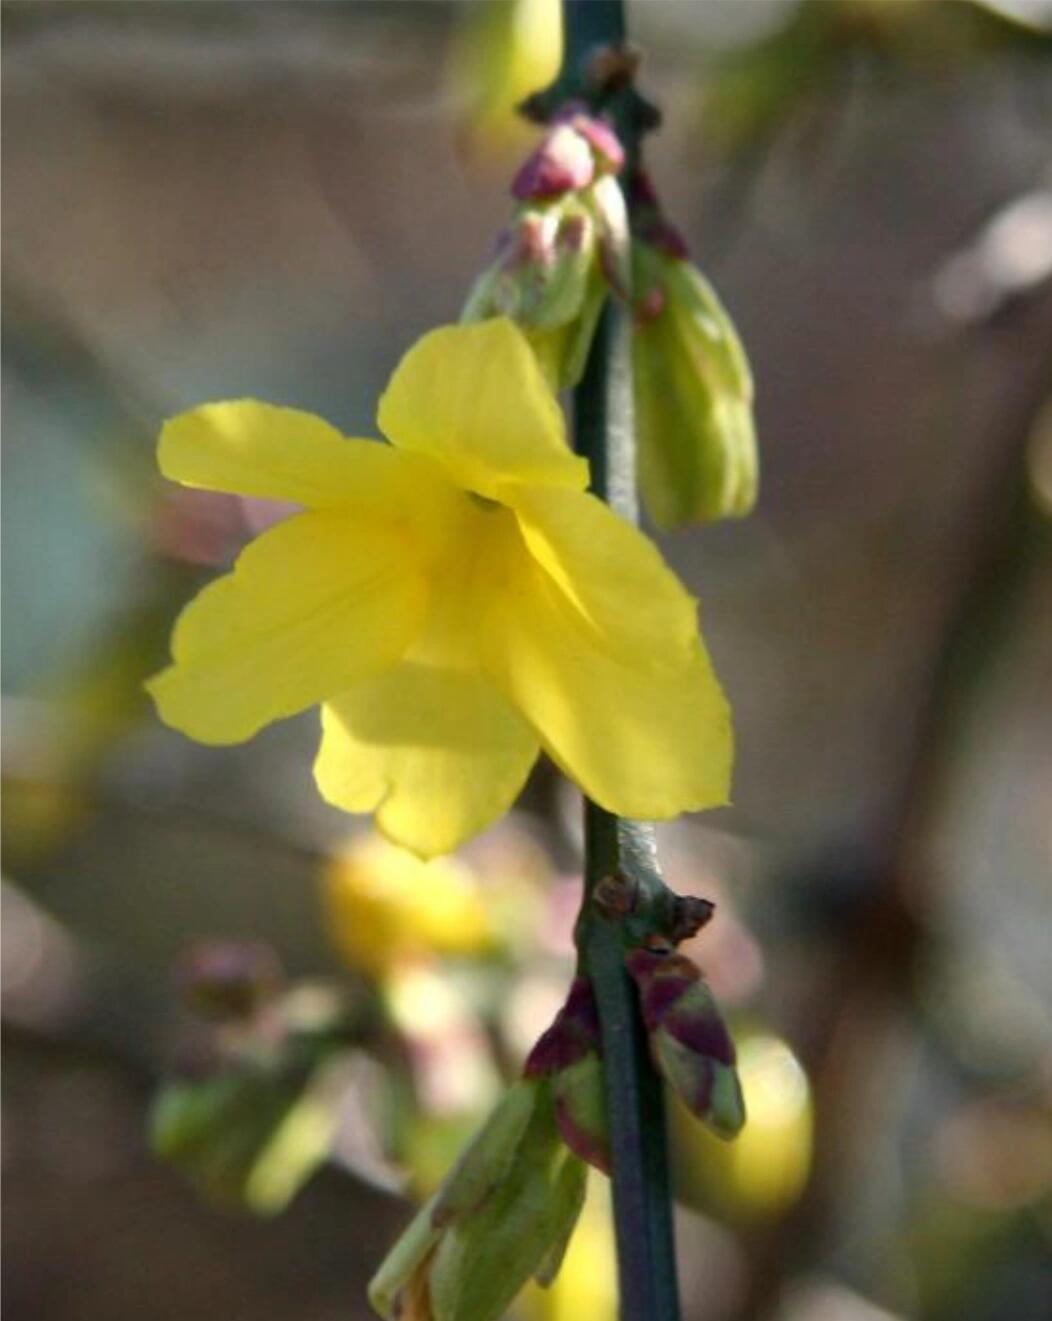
x,y
454,600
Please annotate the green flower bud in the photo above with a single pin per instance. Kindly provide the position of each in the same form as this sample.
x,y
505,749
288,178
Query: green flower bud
x,y
563,350
483,1260
546,278
693,389
505,1212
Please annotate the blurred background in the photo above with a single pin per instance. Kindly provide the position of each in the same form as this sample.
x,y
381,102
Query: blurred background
x,y
213,200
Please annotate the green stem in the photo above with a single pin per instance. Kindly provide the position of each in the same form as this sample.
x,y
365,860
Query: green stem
x,y
604,433
590,23
635,1101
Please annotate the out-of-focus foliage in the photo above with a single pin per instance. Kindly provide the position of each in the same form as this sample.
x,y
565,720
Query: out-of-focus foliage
x,y
751,93
254,1117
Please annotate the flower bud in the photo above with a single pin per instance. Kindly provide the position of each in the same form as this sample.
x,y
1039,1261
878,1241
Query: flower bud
x,y
607,153
546,278
400,1288
562,163
566,246
697,441
689,1042
505,1212
562,351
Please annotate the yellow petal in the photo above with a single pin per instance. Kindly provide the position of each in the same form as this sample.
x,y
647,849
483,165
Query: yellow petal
x,y
641,741
438,753
249,448
615,576
313,606
474,398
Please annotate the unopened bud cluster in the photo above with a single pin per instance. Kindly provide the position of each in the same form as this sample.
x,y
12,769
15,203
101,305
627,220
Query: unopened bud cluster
x,y
689,1044
565,245
572,242
249,1113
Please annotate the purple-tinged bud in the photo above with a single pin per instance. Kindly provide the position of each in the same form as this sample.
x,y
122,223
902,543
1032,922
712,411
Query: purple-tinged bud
x,y
709,1090
574,1033
689,1042
569,1054
600,136
562,163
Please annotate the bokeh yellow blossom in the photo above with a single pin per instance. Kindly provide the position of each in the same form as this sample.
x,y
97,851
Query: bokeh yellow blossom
x,y
763,1172
385,906
455,601
502,51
